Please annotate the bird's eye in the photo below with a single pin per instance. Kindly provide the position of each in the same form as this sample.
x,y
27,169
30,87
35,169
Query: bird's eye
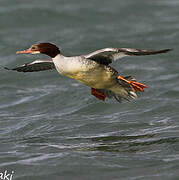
x,y
33,48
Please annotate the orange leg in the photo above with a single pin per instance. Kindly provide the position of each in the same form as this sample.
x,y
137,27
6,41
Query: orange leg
x,y
97,94
136,86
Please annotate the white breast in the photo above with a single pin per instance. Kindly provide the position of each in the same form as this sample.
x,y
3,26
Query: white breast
x,y
67,65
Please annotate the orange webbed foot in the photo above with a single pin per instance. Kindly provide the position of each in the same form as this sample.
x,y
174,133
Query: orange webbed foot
x,y
136,86
97,94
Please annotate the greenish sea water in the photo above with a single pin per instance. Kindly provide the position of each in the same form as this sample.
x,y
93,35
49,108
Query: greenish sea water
x,y
52,128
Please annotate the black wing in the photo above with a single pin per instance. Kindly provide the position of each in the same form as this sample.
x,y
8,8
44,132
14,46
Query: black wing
x,y
37,65
108,55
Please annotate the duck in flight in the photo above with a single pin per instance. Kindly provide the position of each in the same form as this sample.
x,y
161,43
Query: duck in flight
x,y
92,69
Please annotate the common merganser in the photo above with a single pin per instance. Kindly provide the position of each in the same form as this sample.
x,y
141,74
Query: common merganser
x,y
92,69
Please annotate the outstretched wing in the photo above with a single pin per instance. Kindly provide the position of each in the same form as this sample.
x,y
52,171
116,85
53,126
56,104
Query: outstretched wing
x,y
37,65
108,55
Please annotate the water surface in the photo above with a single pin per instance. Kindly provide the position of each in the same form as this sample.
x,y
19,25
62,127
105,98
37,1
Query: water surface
x,y
51,127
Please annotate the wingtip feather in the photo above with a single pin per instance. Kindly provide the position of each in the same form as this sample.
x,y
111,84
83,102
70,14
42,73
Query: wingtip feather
x,y
7,68
166,50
